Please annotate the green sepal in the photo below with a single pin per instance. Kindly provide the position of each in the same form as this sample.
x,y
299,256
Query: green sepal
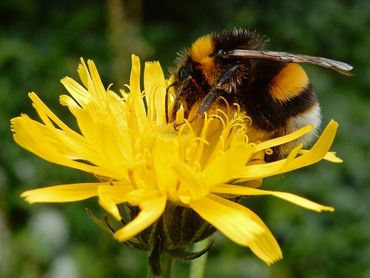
x,y
102,224
189,255
137,244
133,243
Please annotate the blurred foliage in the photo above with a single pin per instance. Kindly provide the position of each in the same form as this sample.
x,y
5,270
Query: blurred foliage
x,y
42,41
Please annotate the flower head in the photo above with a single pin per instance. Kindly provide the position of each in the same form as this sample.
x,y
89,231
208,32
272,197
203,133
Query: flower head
x,y
200,163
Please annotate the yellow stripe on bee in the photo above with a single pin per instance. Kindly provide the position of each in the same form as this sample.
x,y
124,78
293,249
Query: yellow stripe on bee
x,y
200,52
202,48
288,83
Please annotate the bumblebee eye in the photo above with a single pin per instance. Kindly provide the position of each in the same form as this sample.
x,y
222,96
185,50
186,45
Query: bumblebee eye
x,y
186,71
182,73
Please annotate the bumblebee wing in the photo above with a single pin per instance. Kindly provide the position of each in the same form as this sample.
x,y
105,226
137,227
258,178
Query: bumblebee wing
x,y
286,57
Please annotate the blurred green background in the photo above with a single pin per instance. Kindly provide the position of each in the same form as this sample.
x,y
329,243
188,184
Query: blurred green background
x,y
42,41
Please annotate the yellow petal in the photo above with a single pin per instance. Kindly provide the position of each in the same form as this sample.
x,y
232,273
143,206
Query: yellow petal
x,y
261,170
228,217
83,72
317,152
61,193
46,143
49,118
79,93
135,98
264,244
151,210
228,164
112,195
102,150
192,183
155,92
283,139
292,198
165,153
46,115
330,156
96,88
135,74
68,101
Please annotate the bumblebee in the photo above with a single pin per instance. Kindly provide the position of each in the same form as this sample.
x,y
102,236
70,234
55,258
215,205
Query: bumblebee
x,y
271,87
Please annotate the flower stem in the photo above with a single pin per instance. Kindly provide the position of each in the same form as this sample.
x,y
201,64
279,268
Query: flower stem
x,y
159,260
165,267
198,265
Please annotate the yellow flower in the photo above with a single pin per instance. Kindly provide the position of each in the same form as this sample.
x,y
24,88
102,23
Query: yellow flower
x,y
141,160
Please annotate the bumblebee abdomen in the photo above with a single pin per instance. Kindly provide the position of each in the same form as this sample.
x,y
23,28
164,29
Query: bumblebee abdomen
x,y
278,92
288,83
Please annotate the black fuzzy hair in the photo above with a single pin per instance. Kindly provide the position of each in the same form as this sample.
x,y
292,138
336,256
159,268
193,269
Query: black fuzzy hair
x,y
239,38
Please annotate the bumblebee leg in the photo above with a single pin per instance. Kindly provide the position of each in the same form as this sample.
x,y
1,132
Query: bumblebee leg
x,y
166,100
188,92
228,75
209,99
181,92
225,85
